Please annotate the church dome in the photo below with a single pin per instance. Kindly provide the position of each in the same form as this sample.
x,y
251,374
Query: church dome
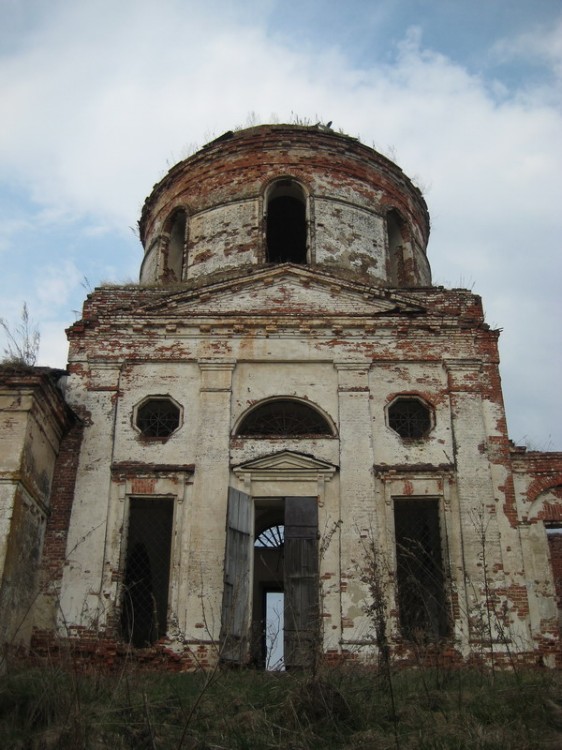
x,y
286,194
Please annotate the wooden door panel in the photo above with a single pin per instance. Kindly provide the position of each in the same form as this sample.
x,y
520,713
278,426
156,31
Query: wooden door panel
x,y
236,592
301,580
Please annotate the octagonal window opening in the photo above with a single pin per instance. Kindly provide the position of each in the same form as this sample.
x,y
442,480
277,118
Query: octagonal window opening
x,y
158,417
410,417
284,418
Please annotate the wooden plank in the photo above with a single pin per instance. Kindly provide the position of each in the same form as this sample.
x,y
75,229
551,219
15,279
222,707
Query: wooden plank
x,y
236,592
301,581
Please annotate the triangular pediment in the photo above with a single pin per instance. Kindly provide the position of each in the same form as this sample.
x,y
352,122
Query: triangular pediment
x,y
286,464
283,290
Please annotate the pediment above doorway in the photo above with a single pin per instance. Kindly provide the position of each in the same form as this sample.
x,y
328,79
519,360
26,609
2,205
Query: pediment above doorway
x,y
285,466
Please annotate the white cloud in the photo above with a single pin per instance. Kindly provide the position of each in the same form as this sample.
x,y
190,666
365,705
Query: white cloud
x,y
53,346
54,284
539,45
10,228
101,98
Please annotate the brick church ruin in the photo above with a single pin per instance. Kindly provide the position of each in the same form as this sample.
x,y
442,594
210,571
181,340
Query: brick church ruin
x,y
283,415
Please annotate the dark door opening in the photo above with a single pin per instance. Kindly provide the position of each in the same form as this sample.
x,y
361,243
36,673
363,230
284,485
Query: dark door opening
x,y
421,588
144,609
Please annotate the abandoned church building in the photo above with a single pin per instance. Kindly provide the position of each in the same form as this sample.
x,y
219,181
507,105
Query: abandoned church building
x,y
284,415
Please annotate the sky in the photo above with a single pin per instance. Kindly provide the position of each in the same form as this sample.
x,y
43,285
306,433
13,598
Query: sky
x,y
99,99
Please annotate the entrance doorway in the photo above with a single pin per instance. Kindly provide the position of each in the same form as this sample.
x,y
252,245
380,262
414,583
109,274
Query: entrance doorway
x,y
268,591
271,564
144,610
422,602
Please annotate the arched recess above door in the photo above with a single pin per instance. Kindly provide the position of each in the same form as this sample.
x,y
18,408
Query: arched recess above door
x,y
282,418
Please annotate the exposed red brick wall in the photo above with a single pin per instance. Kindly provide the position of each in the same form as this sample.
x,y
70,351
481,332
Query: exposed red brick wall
x,y
238,163
87,652
62,496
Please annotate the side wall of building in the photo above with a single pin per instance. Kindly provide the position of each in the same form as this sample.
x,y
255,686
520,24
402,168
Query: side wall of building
x,y
33,420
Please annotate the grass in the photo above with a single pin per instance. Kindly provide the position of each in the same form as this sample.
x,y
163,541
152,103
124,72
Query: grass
x,y
347,708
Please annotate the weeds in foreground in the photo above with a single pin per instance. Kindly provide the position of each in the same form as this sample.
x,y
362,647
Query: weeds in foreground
x,y
345,708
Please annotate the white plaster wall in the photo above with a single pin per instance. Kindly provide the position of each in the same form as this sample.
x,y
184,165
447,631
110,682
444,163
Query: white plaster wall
x,y
29,442
13,428
82,601
181,382
544,617
149,267
428,380
223,236
349,237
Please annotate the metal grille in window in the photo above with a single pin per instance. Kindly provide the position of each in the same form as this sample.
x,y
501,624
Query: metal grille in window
x,y
421,590
147,571
284,418
158,418
272,537
409,418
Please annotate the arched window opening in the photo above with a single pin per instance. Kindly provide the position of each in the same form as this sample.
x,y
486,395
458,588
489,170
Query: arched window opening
x,y
173,264
284,418
271,538
394,225
286,227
